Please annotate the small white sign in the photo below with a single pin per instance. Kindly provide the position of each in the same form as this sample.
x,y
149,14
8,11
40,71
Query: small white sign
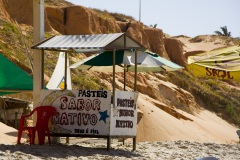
x,y
124,114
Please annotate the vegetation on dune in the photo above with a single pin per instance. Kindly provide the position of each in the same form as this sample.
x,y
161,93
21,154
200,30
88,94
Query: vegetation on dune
x,y
13,46
215,95
216,39
116,16
57,2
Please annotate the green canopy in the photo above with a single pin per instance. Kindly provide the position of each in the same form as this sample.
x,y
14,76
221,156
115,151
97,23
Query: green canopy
x,y
146,62
12,78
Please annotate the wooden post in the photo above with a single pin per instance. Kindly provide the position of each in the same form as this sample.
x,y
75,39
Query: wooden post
x,y
15,120
65,83
124,77
113,96
135,89
108,143
114,57
65,71
38,35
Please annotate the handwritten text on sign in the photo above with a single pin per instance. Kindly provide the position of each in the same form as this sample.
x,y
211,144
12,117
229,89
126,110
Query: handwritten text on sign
x,y
79,111
124,114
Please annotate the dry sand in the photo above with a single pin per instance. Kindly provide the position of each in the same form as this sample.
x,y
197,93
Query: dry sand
x,y
157,125
166,150
208,43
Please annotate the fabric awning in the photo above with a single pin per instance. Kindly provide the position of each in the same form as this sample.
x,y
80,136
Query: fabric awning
x,y
222,63
125,60
12,78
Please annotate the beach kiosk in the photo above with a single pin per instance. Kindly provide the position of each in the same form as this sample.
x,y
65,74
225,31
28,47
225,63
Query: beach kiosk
x,y
92,113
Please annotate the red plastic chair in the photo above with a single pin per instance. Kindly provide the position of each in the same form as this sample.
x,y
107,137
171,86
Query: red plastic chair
x,y
44,113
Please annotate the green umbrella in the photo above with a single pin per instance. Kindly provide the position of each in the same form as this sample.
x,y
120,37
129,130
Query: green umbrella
x,y
125,61
146,62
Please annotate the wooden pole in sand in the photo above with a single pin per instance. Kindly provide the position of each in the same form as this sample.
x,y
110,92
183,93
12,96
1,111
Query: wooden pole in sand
x,y
140,8
135,89
38,35
113,94
65,84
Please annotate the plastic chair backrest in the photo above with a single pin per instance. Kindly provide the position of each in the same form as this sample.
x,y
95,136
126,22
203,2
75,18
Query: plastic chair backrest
x,y
44,113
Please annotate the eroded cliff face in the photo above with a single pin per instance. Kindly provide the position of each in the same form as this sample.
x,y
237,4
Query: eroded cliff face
x,y
167,96
80,20
20,11
156,41
73,19
175,50
3,13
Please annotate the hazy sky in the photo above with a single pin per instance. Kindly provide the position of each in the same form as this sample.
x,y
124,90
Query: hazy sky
x,y
177,17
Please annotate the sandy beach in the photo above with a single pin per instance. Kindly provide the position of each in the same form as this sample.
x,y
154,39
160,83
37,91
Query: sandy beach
x,y
160,136
169,150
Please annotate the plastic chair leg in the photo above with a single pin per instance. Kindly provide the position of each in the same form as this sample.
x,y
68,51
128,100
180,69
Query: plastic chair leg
x,y
19,136
41,137
49,140
31,134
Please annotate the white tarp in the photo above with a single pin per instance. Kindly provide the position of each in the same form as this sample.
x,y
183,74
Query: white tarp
x,y
57,79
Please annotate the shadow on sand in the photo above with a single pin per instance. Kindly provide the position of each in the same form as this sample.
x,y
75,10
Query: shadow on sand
x,y
64,151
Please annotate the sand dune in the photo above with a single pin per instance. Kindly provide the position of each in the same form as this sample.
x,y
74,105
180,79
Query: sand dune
x,y
157,125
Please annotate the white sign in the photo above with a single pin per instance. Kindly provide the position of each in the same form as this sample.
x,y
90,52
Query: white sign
x,y
124,114
84,112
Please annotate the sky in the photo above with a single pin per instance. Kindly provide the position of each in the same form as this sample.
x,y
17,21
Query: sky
x,y
176,17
